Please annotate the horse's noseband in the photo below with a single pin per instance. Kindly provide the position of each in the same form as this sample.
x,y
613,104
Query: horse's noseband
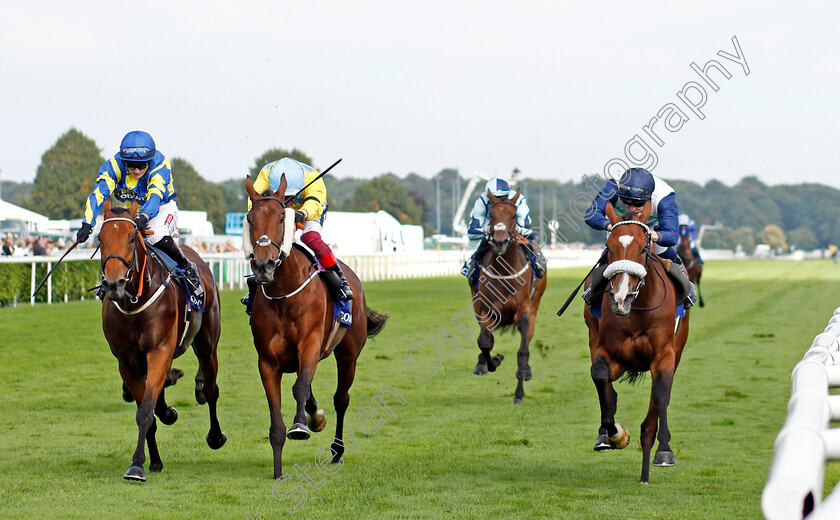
x,y
629,266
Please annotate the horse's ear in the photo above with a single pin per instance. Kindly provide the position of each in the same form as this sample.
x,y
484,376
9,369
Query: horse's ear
x,y
515,197
133,209
610,212
249,187
106,206
645,212
281,190
492,198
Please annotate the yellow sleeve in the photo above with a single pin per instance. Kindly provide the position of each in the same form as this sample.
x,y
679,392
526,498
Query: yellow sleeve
x,y
314,196
260,185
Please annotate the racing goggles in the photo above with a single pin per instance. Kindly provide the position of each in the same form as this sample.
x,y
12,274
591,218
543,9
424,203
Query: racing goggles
x,y
136,152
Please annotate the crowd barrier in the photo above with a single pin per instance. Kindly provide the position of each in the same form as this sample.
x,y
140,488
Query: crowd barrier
x,y
806,441
230,269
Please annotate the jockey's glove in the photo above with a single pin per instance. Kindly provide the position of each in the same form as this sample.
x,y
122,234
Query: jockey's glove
x,y
142,222
83,233
299,216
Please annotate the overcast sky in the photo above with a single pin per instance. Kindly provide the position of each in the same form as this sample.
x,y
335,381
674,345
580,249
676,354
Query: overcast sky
x,y
555,89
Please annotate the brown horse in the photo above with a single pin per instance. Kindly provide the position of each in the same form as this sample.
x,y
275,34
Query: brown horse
x,y
293,326
693,267
508,293
637,332
144,319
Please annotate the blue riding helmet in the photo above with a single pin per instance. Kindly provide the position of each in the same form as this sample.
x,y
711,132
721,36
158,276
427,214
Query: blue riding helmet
x,y
636,185
498,187
293,171
137,146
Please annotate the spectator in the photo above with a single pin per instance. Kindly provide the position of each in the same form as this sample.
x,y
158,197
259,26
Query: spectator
x,y
8,246
38,248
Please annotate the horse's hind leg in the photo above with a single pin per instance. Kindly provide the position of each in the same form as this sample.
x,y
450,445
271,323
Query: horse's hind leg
x,y
341,400
523,371
205,350
200,398
317,417
699,295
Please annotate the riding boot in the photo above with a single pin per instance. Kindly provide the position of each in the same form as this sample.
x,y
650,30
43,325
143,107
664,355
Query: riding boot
x,y
248,299
473,262
344,292
538,261
168,246
680,275
598,285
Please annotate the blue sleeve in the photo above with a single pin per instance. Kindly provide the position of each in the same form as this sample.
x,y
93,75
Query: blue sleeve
x,y
596,217
523,213
669,220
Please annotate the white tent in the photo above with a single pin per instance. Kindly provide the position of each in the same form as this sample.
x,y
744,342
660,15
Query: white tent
x,y
34,221
364,233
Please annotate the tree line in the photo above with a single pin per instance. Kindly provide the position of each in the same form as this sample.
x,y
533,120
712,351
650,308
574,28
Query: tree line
x,y
747,213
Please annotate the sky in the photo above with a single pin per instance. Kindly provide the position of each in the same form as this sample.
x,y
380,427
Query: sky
x,y
555,89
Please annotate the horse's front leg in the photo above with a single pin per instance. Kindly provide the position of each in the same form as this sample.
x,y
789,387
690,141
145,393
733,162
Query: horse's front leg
x,y
308,357
663,376
157,364
271,375
611,434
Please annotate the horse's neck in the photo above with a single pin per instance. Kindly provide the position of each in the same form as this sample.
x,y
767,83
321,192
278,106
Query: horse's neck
x,y
292,271
513,256
656,285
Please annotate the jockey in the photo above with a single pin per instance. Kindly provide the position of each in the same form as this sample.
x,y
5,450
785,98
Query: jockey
x,y
310,207
688,228
628,197
142,173
480,221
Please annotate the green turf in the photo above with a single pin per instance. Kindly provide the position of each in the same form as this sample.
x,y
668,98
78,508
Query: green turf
x,y
457,448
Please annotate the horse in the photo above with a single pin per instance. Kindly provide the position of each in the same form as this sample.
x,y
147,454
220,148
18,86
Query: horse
x,y
637,332
292,323
507,295
693,267
148,323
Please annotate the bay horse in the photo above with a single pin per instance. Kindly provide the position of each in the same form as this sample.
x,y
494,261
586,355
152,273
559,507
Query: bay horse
x,y
637,332
144,319
693,267
292,323
508,293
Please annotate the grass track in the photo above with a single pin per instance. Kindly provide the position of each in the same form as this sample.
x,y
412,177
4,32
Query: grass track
x,y
455,449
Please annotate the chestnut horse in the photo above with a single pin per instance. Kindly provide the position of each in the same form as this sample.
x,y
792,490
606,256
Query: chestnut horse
x,y
508,294
693,267
637,332
143,317
292,321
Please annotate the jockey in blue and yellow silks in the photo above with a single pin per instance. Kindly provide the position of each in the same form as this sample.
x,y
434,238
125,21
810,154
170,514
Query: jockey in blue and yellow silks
x,y
139,172
310,205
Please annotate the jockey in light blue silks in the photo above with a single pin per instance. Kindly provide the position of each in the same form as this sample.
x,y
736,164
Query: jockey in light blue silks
x,y
629,195
480,221
688,228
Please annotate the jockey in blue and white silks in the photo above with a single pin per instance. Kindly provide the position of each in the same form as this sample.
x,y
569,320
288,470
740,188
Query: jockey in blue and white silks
x,y
480,221
689,228
139,172
636,187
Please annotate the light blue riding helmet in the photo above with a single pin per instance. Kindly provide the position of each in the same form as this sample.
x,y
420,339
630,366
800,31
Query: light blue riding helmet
x,y
498,187
294,171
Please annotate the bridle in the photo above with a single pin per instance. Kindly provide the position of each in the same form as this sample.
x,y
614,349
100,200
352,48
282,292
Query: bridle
x,y
133,266
499,225
634,268
284,247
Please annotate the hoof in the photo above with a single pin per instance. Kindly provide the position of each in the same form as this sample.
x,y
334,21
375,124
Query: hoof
x,y
173,376
480,369
664,459
127,397
155,467
135,473
496,361
169,417
517,400
603,443
216,442
524,374
200,398
317,421
621,439
298,432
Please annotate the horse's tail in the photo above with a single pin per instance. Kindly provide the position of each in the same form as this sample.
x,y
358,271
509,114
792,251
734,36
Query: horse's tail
x,y
375,322
632,377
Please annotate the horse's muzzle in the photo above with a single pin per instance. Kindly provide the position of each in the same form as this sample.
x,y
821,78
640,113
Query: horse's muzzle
x,y
623,307
499,246
263,270
115,291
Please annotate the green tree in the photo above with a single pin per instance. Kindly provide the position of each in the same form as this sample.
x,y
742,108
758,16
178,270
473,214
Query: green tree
x,y
275,154
196,194
773,235
745,236
384,193
803,238
66,176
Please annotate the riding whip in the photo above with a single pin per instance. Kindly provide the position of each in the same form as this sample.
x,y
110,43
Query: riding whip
x,y
313,180
54,268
